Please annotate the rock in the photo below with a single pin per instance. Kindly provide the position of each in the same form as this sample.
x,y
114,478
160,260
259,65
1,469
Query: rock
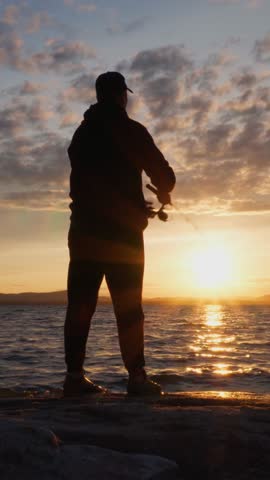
x,y
34,453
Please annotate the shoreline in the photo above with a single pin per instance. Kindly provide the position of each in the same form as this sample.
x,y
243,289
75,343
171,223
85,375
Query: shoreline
x,y
180,398
183,398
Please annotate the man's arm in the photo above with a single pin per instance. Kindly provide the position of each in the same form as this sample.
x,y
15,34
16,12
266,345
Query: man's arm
x,y
157,168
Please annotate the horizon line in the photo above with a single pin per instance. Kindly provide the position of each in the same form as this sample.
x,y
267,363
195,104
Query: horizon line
x,y
162,298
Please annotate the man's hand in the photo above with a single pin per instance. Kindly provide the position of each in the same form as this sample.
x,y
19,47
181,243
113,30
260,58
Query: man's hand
x,y
164,198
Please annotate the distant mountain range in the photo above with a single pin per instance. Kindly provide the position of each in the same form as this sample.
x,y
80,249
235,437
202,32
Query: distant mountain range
x,y
60,298
34,298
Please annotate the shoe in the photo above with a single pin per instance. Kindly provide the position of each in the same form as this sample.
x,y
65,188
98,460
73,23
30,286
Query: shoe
x,y
140,385
77,384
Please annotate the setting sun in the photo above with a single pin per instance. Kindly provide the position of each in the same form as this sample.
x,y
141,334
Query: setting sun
x,y
212,267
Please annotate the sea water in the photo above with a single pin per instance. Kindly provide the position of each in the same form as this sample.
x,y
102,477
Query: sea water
x,y
187,348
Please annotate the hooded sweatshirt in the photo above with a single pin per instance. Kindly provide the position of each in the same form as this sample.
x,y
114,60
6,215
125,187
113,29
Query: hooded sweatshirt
x,y
108,153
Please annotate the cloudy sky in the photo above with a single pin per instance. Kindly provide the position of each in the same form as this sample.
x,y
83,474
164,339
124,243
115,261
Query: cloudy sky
x,y
200,70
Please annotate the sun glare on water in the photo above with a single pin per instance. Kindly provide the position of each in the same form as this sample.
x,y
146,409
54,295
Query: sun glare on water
x,y
212,268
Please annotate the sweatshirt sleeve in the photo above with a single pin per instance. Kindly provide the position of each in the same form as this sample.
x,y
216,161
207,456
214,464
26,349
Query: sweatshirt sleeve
x,y
155,166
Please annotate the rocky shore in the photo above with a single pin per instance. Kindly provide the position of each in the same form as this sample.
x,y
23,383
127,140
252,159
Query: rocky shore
x,y
184,436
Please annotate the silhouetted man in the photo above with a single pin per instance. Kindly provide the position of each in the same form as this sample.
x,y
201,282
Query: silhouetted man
x,y
108,153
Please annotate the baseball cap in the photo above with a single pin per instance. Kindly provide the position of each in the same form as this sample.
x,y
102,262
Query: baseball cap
x,y
111,82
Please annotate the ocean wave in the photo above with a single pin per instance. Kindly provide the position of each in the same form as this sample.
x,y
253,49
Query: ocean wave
x,y
208,374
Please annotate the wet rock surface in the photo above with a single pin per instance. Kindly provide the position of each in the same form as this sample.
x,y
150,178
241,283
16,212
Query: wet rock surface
x,y
32,452
177,437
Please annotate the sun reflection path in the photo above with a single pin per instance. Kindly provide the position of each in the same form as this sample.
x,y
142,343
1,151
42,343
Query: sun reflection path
x,y
211,342
213,315
222,369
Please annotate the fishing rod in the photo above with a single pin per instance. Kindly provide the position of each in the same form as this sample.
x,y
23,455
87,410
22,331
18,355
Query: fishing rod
x,y
163,216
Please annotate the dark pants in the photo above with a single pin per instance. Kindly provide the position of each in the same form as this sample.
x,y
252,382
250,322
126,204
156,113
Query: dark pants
x,y
122,265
